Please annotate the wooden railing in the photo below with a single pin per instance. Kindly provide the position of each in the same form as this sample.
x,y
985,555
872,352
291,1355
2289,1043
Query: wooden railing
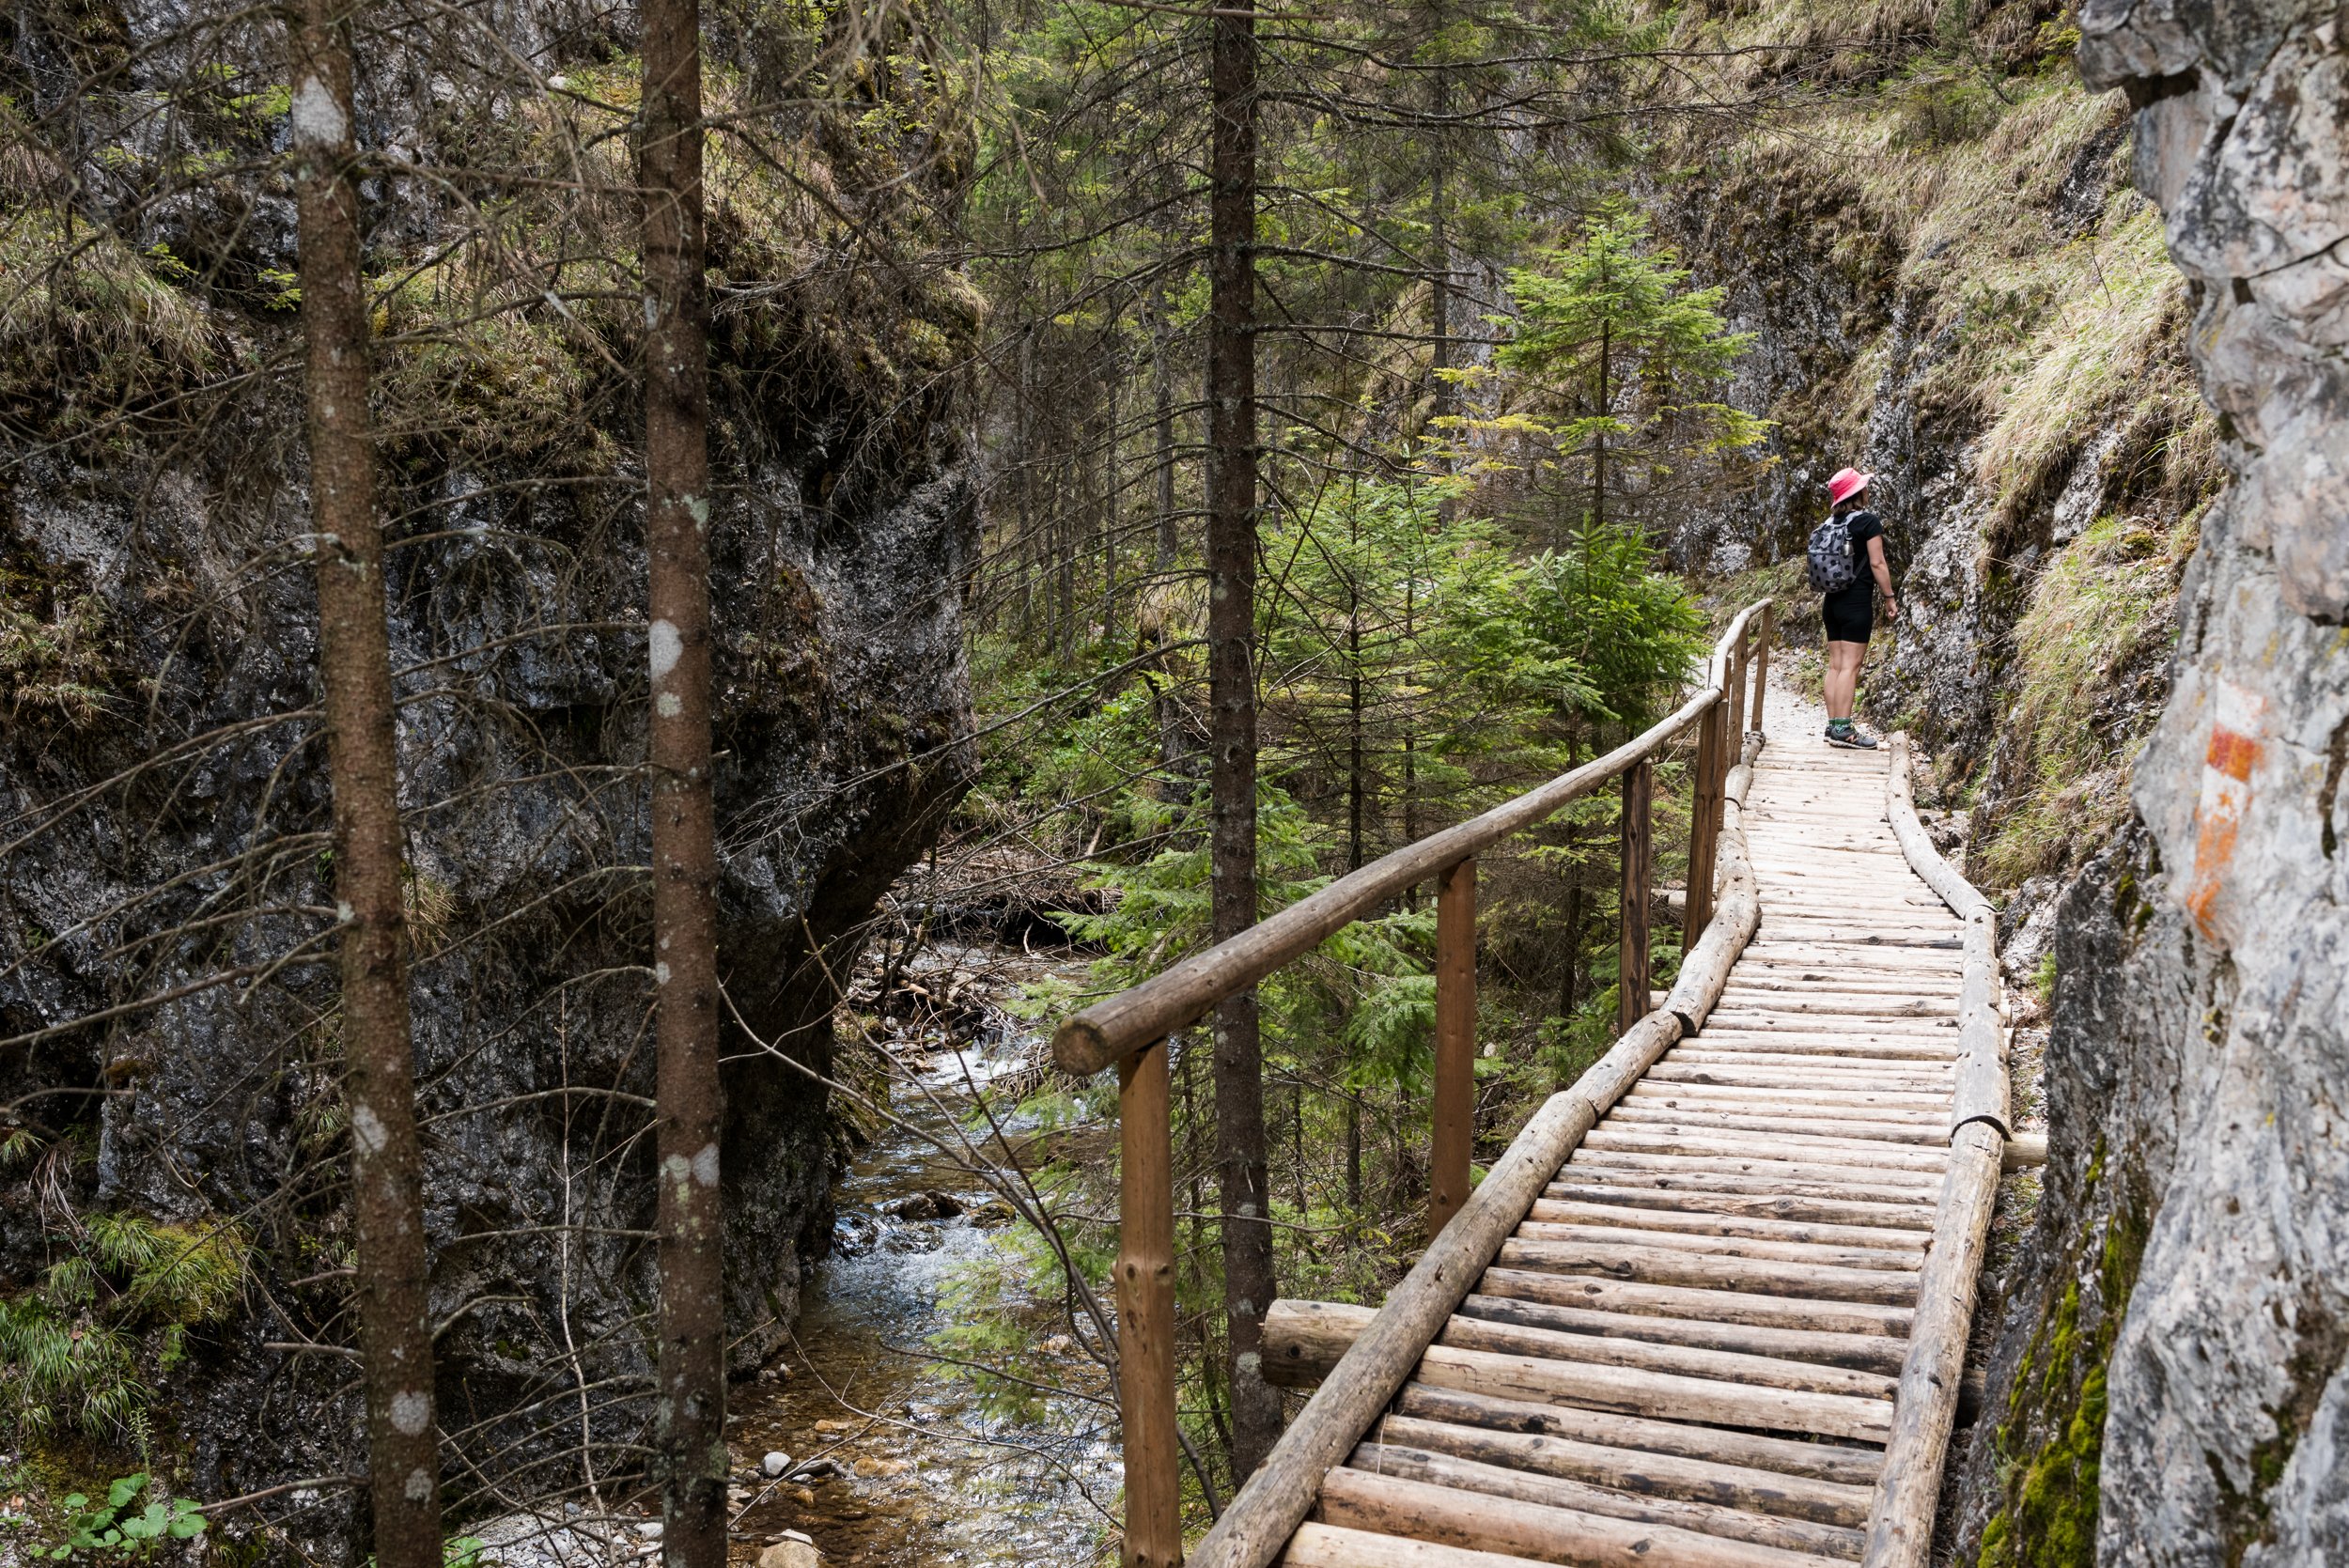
x,y
1128,1031
1924,1406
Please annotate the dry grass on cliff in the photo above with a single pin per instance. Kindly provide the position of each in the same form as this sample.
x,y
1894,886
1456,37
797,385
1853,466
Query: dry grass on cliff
x,y
2097,626
2037,276
2047,335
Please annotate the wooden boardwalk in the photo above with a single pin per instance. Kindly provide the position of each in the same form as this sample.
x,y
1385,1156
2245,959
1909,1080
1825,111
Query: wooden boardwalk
x,y
1688,1349
1710,1306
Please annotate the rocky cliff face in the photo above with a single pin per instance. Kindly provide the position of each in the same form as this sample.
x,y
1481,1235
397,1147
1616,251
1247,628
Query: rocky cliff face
x,y
2139,690
1963,296
163,783
2176,1386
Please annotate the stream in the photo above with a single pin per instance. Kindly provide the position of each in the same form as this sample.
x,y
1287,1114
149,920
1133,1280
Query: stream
x,y
921,1475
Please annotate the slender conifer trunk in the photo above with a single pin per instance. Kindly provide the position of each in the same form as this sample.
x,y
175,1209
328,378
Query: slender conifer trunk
x,y
1598,436
690,1458
1110,506
1172,741
1240,1157
1440,285
355,676
1026,552
1356,790
1411,740
1355,786
1163,392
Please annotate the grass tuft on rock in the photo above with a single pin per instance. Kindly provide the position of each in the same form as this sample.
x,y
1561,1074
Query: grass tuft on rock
x,y
2097,628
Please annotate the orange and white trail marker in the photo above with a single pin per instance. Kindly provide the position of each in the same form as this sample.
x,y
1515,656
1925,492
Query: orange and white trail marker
x,y
2228,763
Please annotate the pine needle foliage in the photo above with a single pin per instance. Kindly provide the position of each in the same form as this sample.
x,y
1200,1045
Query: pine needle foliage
x,y
1618,352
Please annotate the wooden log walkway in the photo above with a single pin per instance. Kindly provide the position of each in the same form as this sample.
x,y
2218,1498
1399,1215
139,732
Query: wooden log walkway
x,y
1726,1331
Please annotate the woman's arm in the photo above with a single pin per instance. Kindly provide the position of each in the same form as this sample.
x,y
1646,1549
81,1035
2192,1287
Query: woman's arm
x,y
1884,576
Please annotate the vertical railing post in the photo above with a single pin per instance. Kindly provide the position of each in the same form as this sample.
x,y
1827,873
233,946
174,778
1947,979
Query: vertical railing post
x,y
1639,792
1704,823
1733,676
1456,1045
1761,668
1145,1312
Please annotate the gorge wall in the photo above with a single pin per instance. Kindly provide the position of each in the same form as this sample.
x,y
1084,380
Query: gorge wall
x,y
164,791
1965,296
2176,1388
2092,338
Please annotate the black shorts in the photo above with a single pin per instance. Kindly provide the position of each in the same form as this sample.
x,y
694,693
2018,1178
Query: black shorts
x,y
1849,618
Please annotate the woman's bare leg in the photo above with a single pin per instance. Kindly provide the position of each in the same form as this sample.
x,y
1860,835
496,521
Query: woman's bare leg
x,y
1842,676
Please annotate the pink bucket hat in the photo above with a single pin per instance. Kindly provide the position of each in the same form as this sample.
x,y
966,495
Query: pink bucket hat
x,y
1847,483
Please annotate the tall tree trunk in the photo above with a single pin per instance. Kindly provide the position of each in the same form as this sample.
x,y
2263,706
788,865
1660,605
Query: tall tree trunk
x,y
690,1458
1068,491
1353,1150
1172,745
1109,508
1355,787
1355,791
1598,436
1023,443
1296,1148
355,676
1194,1163
1164,392
1570,989
1240,1162
1411,740
1439,249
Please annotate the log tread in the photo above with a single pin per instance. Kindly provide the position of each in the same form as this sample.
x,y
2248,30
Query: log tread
x,y
1687,1351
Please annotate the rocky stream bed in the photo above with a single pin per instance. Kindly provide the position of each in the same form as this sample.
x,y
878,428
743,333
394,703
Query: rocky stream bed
x,y
891,1460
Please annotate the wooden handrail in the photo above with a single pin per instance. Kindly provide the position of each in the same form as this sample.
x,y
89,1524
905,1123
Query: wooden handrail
x,y
1181,995
1277,1498
1925,1405
1130,1031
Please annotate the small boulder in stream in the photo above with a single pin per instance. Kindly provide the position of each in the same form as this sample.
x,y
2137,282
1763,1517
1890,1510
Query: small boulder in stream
x,y
792,1551
923,1206
855,1234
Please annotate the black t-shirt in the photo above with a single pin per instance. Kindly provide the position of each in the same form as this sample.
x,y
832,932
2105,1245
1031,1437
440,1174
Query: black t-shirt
x,y
1860,598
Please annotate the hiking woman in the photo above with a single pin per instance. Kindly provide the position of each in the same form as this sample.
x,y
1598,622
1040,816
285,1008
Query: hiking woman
x,y
1848,607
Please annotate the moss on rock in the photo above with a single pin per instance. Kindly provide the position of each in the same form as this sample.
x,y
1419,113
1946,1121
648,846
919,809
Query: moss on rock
x,y
2049,1441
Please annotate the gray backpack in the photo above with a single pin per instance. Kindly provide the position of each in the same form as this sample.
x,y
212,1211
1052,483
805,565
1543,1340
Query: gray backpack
x,y
1832,568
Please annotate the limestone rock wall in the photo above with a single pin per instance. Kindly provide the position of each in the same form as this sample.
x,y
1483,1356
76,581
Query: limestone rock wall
x,y
1977,310
2174,1385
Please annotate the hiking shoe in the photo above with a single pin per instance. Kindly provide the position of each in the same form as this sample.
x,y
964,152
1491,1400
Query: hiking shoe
x,y
1852,741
